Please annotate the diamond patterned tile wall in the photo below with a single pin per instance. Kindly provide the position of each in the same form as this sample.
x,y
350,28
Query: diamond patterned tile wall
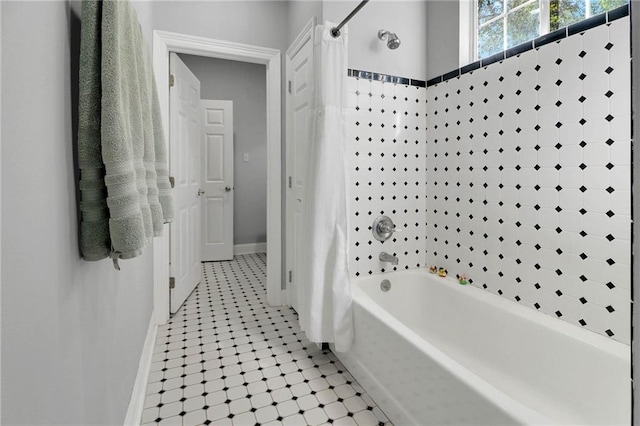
x,y
528,178
386,133
226,358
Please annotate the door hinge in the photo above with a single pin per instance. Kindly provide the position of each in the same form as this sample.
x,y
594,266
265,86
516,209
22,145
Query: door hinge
x,y
172,282
290,275
172,181
290,86
172,80
289,181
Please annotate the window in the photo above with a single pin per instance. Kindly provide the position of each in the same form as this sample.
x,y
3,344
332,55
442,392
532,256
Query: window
x,y
501,24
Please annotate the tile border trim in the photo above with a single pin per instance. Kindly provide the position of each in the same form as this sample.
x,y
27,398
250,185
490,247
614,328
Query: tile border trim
x,y
578,27
386,78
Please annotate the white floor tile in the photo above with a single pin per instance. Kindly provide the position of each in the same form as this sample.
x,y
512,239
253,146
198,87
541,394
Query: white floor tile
x,y
193,404
345,421
170,410
215,398
193,390
266,414
150,415
244,419
307,402
237,392
239,406
195,417
335,410
355,404
261,400
171,396
327,396
287,408
365,418
315,416
295,420
217,412
281,395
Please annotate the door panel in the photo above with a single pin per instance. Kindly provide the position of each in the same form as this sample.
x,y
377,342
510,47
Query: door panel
x,y
184,166
217,180
215,232
214,156
300,74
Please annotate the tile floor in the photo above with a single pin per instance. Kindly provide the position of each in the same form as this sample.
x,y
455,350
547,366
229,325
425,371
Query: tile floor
x,y
226,358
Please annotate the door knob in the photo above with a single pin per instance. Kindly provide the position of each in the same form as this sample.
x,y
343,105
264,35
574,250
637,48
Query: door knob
x,y
200,192
227,189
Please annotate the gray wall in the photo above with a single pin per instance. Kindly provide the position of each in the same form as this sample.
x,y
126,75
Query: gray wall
x,y
72,331
245,85
299,13
429,31
443,35
261,23
367,52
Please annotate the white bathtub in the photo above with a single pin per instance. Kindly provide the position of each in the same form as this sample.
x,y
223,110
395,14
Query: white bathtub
x,y
431,351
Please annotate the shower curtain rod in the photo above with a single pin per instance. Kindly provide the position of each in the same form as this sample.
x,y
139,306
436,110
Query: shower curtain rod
x,y
335,31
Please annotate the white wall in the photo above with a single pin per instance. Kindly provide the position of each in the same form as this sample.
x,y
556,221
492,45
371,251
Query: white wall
x,y
542,224
72,331
366,52
245,85
391,185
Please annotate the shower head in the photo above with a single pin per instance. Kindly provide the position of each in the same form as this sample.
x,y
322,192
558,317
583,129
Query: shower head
x,y
392,39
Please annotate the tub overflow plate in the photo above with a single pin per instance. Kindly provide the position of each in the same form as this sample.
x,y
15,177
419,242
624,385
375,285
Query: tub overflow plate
x,y
385,285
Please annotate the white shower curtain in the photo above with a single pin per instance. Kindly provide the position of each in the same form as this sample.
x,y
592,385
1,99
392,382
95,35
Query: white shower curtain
x,y
325,294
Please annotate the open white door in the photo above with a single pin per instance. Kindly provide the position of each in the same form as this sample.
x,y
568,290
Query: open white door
x,y
217,180
300,73
184,142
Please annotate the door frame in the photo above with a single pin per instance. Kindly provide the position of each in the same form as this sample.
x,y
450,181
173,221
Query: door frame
x,y
165,42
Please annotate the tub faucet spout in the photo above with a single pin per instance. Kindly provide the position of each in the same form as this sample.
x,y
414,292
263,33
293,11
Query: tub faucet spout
x,y
386,257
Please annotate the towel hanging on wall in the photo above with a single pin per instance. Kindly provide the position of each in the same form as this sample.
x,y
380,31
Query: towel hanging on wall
x,y
124,180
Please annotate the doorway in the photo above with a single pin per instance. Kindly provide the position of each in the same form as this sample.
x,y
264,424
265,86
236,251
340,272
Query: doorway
x,y
163,44
233,100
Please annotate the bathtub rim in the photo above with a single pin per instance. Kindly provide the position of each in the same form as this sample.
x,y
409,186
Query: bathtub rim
x,y
512,407
608,345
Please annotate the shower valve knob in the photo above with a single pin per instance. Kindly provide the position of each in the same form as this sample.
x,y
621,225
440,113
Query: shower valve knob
x,y
383,228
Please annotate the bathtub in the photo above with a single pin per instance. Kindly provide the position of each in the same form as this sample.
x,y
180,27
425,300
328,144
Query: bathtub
x,y
431,351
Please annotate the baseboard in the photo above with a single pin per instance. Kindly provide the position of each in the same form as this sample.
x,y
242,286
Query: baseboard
x,y
250,248
136,404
